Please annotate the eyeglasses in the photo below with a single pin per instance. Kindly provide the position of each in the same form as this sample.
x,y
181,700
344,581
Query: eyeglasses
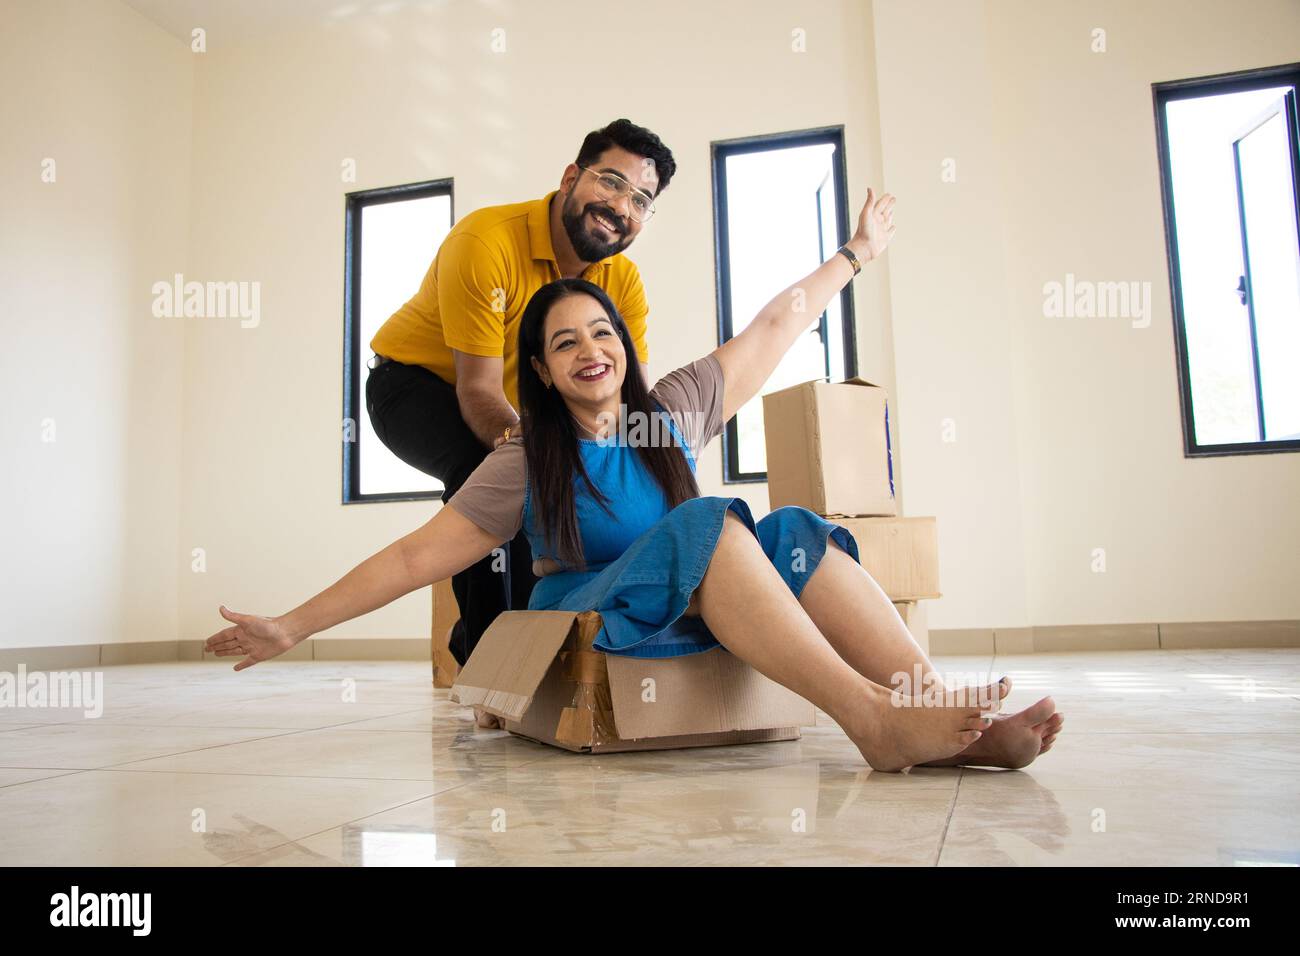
x,y
611,186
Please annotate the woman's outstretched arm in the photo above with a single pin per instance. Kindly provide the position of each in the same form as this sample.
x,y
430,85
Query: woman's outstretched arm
x,y
749,358
445,545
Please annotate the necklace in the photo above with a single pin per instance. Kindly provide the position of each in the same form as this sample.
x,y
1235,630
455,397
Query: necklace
x,y
592,431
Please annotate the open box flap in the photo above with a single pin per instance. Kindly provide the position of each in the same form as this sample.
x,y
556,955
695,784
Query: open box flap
x,y
510,661
855,380
859,380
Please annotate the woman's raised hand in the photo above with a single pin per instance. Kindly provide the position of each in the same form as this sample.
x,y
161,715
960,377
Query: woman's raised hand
x,y
259,638
875,225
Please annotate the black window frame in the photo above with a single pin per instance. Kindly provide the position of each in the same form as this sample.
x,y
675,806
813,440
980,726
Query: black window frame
x,y
720,150
354,405
1162,95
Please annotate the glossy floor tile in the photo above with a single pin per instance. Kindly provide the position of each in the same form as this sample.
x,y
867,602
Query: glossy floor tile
x,y
1168,757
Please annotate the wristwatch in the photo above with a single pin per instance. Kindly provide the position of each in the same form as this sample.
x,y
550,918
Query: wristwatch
x,y
848,254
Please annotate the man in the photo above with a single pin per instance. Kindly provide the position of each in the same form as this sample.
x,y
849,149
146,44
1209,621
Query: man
x,y
442,390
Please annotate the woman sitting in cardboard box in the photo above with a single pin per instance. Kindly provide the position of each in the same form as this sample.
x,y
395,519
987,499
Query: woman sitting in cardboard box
x,y
618,525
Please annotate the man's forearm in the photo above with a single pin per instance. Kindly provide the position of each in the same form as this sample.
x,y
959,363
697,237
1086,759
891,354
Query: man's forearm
x,y
487,414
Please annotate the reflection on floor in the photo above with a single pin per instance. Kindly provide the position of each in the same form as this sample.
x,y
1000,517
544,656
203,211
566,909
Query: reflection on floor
x,y
1168,757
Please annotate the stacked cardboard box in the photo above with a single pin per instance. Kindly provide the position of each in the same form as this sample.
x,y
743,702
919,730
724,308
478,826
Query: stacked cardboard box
x,y
828,450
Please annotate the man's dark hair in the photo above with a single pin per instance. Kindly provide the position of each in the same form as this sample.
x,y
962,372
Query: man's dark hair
x,y
635,139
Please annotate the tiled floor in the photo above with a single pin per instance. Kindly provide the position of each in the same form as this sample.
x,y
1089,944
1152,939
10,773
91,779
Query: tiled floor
x,y
1169,757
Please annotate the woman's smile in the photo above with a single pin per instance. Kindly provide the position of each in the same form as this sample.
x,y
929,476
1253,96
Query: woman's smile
x,y
595,374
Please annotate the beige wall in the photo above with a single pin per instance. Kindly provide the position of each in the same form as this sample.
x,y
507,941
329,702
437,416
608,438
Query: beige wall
x,y
1068,430
1067,434
89,520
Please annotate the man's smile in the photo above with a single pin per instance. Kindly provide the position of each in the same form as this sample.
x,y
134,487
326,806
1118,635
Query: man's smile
x,y
605,221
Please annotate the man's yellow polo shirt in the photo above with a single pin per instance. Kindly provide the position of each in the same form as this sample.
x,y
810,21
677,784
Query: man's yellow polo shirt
x,y
474,293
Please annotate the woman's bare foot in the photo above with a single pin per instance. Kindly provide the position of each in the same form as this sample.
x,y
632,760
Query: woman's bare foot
x,y
485,720
1012,741
893,737
1049,733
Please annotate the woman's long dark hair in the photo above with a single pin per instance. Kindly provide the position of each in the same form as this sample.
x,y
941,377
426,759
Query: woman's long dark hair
x,y
551,437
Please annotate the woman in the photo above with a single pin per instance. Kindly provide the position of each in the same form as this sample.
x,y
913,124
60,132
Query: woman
x,y
602,480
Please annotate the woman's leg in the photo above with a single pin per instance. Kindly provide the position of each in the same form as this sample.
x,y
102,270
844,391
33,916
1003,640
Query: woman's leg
x,y
856,615
749,609
858,620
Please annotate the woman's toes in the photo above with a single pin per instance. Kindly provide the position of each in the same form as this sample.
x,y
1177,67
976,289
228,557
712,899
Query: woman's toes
x,y
1000,690
987,699
1039,713
1054,720
968,737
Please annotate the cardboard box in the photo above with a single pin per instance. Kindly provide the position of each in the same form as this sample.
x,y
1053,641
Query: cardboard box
x,y
537,671
445,614
913,614
902,554
828,448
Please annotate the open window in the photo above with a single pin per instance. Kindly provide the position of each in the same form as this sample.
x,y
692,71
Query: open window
x,y
1230,161
391,236
779,212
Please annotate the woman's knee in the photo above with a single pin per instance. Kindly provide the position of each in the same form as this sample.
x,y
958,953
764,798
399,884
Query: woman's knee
x,y
783,517
785,524
736,535
787,513
734,526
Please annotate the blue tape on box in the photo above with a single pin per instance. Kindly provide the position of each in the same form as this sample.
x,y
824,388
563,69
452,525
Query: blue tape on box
x,y
889,452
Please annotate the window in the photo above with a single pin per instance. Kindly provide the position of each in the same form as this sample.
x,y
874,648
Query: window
x,y
779,212
392,235
1229,161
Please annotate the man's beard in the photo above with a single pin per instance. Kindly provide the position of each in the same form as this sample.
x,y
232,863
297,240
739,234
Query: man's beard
x,y
587,246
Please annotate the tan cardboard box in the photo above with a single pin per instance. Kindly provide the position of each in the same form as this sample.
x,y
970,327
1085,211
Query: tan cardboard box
x,y
913,614
902,554
537,671
828,448
445,614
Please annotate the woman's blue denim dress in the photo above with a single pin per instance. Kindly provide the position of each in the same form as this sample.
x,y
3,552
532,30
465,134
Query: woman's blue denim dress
x,y
643,565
